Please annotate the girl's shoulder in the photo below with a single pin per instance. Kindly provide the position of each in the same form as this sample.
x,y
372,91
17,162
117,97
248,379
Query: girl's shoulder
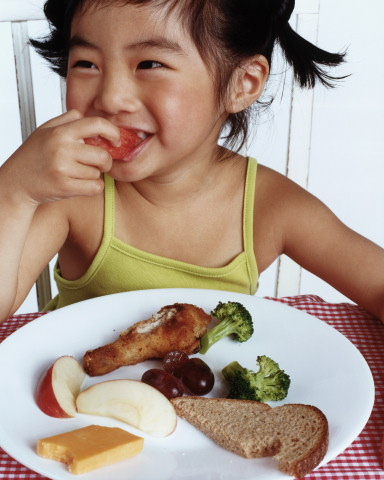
x,y
285,216
72,220
286,205
79,209
85,232
279,192
275,190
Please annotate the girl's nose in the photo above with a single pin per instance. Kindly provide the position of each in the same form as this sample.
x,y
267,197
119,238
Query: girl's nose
x,y
117,93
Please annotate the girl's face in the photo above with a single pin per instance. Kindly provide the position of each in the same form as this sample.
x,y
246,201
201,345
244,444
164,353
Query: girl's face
x,y
140,70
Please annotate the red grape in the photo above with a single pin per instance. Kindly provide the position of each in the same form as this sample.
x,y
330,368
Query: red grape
x,y
165,382
197,377
199,362
174,361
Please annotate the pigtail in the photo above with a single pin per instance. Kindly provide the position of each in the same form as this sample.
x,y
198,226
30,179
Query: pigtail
x,y
54,46
309,62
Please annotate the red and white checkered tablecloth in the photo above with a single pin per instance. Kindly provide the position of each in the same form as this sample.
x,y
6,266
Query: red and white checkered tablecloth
x,y
362,460
9,468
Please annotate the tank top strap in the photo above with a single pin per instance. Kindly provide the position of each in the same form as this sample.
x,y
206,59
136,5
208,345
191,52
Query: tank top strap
x,y
109,208
248,213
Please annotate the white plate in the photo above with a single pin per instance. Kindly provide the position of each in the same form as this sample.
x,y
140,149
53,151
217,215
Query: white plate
x,y
326,371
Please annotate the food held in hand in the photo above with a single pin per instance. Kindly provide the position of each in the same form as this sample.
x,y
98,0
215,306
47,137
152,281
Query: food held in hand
x,y
235,320
295,435
269,383
169,385
129,140
174,327
132,402
197,377
91,447
59,386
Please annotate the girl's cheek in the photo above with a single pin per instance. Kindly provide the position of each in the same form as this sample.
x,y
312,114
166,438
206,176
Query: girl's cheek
x,y
70,100
75,98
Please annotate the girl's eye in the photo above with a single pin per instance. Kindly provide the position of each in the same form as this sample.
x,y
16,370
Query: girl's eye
x,y
85,64
148,64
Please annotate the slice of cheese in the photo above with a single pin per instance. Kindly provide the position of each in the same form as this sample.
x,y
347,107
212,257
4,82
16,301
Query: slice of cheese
x,y
90,447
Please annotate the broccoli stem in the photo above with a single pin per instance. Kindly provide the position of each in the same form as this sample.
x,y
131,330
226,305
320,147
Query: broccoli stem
x,y
222,329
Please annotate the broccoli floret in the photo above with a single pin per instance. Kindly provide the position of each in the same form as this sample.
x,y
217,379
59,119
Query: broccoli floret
x,y
269,383
234,320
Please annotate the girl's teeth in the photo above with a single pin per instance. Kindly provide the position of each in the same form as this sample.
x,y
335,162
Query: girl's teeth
x,y
142,135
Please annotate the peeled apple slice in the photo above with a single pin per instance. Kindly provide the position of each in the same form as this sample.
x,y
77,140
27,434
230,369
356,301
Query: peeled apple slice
x,y
129,140
132,402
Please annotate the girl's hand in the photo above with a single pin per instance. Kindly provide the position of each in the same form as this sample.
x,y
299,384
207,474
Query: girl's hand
x,y
54,162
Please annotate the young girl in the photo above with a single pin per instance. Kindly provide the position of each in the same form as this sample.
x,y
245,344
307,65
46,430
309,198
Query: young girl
x,y
178,210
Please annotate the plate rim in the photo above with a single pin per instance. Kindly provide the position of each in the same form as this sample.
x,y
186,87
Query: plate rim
x,y
177,291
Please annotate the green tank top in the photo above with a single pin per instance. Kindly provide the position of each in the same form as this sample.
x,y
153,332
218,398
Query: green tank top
x,y
119,267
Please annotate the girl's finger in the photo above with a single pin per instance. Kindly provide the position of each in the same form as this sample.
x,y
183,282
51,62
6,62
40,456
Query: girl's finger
x,y
85,172
81,187
92,127
94,157
66,117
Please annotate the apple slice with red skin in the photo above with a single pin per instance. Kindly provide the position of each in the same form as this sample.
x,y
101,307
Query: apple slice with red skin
x,y
59,386
129,140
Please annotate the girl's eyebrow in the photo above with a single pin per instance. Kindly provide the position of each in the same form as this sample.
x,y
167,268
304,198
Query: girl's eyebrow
x,y
161,43
77,41
158,42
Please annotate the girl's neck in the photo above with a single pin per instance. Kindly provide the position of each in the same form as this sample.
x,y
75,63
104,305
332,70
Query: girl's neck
x,y
182,185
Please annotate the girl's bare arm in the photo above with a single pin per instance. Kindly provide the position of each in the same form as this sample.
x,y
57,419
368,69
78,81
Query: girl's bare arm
x,y
52,166
310,234
29,238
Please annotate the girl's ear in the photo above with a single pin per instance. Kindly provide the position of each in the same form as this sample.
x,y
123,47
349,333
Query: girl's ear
x,y
247,84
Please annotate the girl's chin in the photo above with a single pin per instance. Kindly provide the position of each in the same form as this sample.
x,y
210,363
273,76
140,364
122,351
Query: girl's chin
x,y
123,171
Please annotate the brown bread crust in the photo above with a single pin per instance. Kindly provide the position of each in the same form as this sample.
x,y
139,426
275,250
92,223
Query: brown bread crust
x,y
295,435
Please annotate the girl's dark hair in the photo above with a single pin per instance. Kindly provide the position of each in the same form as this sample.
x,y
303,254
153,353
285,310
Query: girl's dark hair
x,y
226,32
